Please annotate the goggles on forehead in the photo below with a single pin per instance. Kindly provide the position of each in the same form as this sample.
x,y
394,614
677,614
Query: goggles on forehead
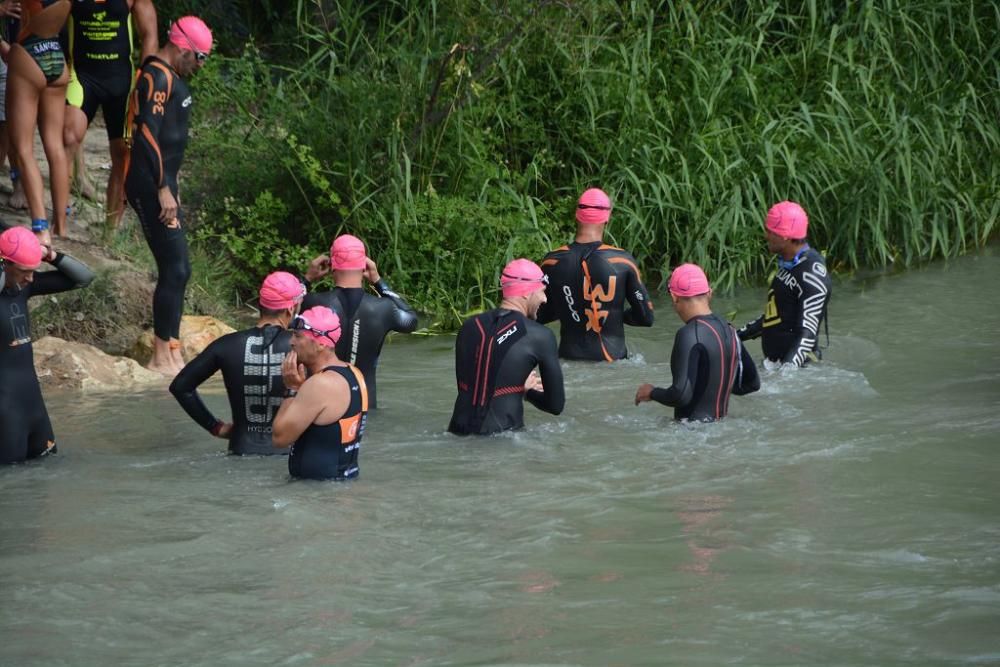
x,y
599,208
200,56
504,277
300,323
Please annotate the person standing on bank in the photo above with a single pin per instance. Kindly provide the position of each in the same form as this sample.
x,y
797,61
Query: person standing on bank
x,y
101,42
496,354
250,361
325,409
708,362
590,283
366,319
799,294
159,110
25,429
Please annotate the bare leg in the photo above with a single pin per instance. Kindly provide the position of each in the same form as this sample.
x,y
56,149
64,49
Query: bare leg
x,y
162,361
50,124
115,206
175,354
25,83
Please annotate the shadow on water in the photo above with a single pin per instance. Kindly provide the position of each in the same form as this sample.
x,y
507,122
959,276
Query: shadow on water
x,y
845,514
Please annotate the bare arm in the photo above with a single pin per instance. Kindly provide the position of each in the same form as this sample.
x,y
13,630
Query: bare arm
x,y
145,19
323,397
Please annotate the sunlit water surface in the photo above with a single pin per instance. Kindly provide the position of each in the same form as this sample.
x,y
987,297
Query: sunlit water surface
x,y
846,514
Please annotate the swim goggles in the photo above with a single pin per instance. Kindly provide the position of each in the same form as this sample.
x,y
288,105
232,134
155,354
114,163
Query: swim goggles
x,y
200,56
505,277
300,323
599,208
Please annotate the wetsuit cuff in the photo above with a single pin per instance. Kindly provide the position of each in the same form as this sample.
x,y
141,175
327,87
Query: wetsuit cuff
x,y
217,428
57,259
381,286
664,396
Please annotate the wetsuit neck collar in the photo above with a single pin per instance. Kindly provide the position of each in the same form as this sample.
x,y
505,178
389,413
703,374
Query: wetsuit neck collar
x,y
789,264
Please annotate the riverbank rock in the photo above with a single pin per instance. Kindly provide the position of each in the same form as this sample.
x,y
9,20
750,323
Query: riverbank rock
x,y
197,331
62,364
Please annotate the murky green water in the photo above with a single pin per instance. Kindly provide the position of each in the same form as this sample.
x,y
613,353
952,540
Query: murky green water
x,y
847,514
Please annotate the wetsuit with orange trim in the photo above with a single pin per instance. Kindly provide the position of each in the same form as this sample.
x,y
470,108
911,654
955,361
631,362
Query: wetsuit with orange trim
x,y
250,362
46,51
365,322
708,364
159,109
589,287
25,429
330,451
494,355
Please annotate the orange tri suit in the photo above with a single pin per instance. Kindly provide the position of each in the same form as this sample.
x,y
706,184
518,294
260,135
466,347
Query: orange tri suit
x,y
594,290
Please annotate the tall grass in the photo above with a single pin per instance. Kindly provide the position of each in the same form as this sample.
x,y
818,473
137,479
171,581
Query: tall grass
x,y
454,135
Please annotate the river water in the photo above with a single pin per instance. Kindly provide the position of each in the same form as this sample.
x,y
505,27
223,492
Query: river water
x,y
847,514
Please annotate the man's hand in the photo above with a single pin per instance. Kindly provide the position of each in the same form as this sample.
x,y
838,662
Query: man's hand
x,y
534,382
11,8
224,431
318,267
292,372
45,239
643,393
168,207
371,271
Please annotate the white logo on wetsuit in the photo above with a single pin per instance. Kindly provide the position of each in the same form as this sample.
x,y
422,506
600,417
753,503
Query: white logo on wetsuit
x,y
568,293
819,269
506,335
187,102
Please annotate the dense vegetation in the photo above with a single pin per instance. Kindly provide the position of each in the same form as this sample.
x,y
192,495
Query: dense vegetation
x,y
453,135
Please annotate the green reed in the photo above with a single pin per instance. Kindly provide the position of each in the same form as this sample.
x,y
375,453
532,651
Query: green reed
x,y
454,135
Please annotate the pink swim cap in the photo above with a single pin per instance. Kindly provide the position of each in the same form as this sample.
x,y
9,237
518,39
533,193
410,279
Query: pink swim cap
x,y
191,33
594,207
318,319
20,247
347,253
788,220
688,280
520,277
281,290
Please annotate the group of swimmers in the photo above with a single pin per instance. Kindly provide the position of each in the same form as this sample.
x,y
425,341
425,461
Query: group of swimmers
x,y
305,375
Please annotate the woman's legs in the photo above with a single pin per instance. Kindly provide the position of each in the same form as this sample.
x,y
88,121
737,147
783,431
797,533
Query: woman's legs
x,y
25,83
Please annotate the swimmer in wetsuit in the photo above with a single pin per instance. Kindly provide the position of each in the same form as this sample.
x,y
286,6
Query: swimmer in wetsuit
x,y
36,91
708,361
799,295
590,283
25,430
101,41
159,110
496,354
250,361
322,417
366,319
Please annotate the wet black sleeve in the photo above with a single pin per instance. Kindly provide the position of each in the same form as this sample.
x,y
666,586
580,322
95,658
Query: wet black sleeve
x,y
640,312
751,330
185,385
151,91
747,379
404,319
553,399
547,311
70,274
684,360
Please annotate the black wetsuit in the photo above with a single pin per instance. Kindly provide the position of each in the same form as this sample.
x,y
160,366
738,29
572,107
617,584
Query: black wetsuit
x,y
796,307
100,45
589,285
159,108
250,361
494,354
25,430
708,363
330,451
365,321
